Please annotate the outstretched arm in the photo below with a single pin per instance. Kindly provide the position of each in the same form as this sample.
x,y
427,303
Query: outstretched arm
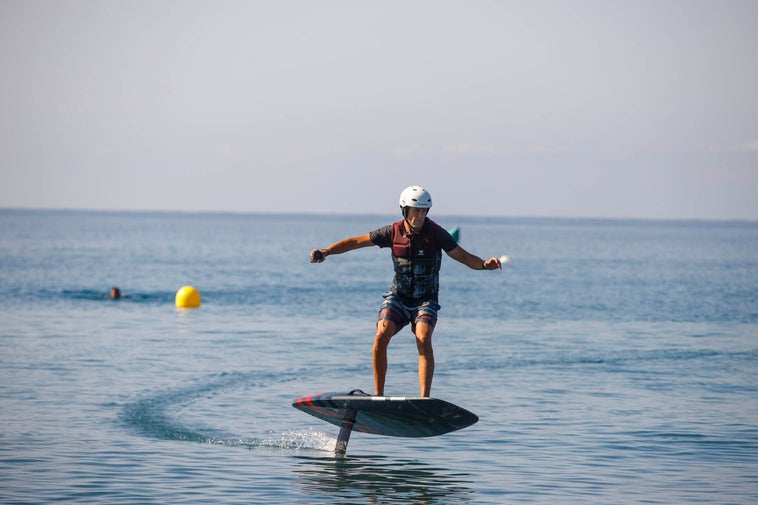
x,y
473,261
340,247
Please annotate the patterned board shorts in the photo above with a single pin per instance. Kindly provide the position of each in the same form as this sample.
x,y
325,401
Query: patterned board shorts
x,y
399,313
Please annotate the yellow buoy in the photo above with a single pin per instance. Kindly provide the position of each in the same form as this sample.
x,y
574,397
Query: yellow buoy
x,y
187,298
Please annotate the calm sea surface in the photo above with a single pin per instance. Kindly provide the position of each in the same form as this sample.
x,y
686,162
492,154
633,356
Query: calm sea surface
x,y
611,362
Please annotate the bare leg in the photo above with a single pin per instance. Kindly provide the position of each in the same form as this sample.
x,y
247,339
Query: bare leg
x,y
423,333
385,330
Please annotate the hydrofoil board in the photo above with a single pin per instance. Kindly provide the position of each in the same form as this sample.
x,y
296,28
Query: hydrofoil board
x,y
392,416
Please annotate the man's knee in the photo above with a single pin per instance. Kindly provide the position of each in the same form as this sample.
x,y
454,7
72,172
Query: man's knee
x,y
423,334
385,330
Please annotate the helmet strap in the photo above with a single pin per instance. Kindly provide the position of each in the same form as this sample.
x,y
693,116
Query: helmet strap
x,y
410,226
405,218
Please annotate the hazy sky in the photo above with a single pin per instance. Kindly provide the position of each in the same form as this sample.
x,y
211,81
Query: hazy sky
x,y
504,108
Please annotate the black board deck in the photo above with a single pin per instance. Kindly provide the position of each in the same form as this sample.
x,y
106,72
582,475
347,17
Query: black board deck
x,y
388,415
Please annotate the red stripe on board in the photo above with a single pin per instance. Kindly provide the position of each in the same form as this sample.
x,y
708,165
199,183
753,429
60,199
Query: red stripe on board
x,y
307,399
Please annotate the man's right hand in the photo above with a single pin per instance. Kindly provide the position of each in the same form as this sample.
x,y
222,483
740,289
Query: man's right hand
x,y
317,256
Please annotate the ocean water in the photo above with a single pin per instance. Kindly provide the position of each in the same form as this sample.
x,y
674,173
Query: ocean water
x,y
612,362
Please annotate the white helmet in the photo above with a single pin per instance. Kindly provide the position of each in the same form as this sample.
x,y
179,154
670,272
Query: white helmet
x,y
415,196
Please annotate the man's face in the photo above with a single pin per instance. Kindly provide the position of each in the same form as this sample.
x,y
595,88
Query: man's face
x,y
416,217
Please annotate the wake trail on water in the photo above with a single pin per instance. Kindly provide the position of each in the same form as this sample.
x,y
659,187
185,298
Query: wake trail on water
x,y
155,414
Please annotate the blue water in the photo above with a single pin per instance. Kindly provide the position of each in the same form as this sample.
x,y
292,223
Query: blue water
x,y
611,362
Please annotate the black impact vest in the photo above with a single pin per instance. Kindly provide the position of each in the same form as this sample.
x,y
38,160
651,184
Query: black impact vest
x,y
417,260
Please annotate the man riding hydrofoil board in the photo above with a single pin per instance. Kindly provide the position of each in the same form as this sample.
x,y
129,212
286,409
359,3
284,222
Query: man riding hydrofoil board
x,y
416,244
